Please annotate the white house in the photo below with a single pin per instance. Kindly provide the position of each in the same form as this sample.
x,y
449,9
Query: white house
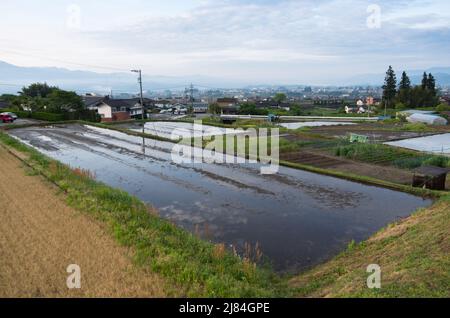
x,y
116,109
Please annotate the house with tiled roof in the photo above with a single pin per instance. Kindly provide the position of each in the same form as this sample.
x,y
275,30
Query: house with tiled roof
x,y
111,109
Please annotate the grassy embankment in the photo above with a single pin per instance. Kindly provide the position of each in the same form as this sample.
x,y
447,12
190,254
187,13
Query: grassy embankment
x,y
200,267
413,253
414,256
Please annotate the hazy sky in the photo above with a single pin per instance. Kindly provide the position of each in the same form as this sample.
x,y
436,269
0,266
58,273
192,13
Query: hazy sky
x,y
264,41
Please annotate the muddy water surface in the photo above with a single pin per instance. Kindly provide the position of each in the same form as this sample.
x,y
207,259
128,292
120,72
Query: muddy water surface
x,y
297,218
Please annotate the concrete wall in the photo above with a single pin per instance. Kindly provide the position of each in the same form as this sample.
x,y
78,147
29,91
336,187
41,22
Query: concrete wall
x,y
105,112
121,116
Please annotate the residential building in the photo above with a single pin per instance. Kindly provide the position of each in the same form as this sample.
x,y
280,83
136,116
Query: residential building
x,y
228,106
200,107
370,101
116,109
445,99
227,102
91,100
272,104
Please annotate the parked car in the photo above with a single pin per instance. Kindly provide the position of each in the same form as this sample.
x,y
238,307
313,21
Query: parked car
x,y
14,116
6,118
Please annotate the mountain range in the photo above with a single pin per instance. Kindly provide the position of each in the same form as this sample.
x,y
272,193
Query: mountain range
x,y
13,78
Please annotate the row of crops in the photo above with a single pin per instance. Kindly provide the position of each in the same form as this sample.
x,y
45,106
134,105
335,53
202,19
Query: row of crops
x,y
387,155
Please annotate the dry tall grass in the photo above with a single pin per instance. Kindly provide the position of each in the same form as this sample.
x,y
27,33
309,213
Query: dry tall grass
x,y
84,173
40,236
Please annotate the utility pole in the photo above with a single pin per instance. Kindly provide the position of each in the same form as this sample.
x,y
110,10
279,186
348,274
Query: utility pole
x,y
385,109
141,94
142,105
192,98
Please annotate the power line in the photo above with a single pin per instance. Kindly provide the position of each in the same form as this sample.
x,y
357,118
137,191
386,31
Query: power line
x,y
12,85
183,87
104,67
110,68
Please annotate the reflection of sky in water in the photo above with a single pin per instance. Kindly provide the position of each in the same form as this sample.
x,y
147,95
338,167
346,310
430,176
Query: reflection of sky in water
x,y
179,130
298,218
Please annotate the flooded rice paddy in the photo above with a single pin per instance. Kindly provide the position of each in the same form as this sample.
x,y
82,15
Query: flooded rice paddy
x,y
177,130
297,218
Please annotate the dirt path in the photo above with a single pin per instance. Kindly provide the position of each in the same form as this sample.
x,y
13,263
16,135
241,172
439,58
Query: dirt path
x,y
321,159
40,236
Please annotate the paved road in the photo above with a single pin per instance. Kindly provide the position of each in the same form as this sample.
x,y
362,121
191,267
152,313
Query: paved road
x,y
20,121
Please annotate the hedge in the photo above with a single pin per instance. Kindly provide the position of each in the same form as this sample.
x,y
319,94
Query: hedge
x,y
83,115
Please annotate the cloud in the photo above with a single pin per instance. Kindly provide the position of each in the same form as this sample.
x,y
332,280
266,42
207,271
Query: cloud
x,y
249,38
234,31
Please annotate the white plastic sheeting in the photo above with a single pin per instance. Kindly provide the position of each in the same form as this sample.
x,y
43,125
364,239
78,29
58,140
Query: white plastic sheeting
x,y
427,119
312,124
416,111
438,144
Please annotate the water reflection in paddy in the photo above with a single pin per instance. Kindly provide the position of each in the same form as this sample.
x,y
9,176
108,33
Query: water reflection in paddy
x,y
297,218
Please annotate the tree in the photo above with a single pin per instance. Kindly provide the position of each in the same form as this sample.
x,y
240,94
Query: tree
x,y
296,110
404,89
59,100
419,97
400,106
214,109
389,87
405,82
280,97
7,97
30,103
424,80
38,90
251,109
190,109
424,95
431,85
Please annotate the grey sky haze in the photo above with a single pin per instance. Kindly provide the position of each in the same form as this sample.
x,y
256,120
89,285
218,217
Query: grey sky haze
x,y
266,41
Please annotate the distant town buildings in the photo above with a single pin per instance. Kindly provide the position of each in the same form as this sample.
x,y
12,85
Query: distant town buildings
x,y
114,109
352,99
361,106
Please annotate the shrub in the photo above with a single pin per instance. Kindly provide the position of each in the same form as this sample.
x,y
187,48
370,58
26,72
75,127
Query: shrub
x,y
415,127
382,154
86,115
400,106
408,163
438,161
443,107
46,116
